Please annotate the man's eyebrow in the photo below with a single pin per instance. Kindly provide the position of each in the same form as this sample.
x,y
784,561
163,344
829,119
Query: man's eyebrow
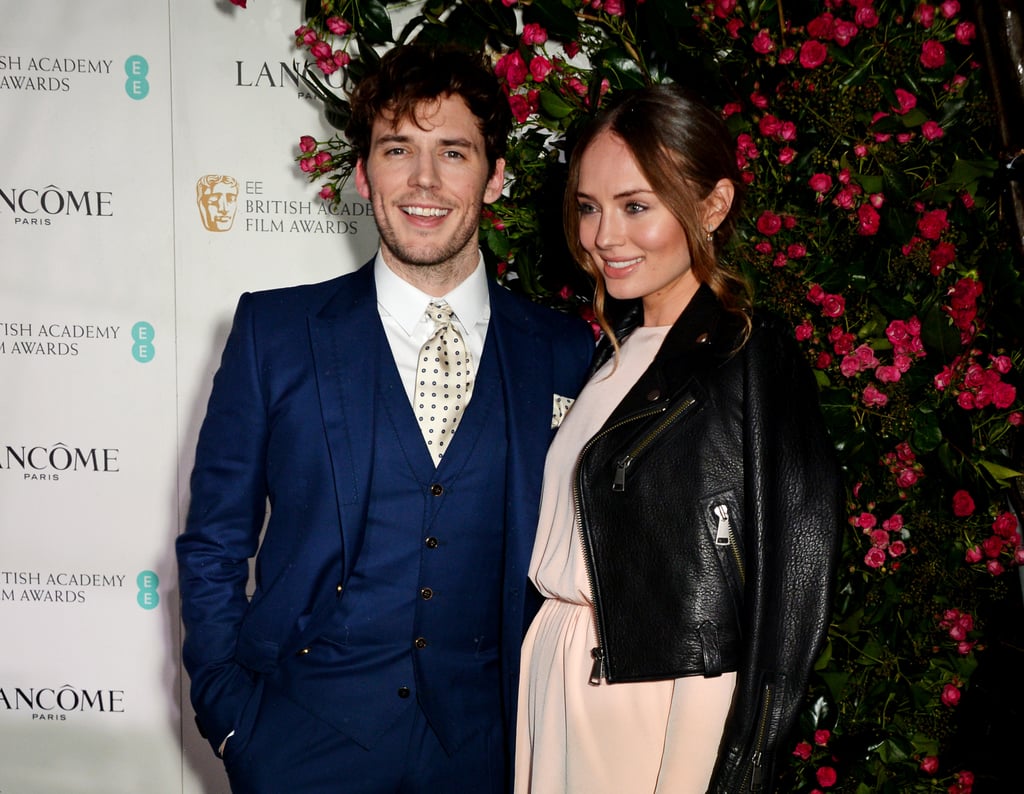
x,y
392,138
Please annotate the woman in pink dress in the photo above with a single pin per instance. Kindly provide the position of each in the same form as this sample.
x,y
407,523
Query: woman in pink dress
x,y
691,503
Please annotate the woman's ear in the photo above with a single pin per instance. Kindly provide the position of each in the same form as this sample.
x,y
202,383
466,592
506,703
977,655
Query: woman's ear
x,y
718,203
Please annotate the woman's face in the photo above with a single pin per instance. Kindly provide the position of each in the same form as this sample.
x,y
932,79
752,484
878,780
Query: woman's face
x,y
635,242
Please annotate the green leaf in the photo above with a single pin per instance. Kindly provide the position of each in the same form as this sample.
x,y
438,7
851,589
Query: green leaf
x,y
552,104
1002,474
374,22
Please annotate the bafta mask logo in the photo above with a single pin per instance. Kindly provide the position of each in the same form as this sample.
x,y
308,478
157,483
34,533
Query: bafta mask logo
x,y
217,197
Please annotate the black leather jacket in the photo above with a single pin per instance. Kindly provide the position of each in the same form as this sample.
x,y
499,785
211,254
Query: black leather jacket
x,y
710,512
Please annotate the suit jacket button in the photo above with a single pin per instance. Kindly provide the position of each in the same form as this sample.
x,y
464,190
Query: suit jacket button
x,y
431,543
403,691
420,643
426,593
437,489
303,652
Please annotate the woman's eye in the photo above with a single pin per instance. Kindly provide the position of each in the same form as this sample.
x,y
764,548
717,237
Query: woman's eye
x,y
634,207
586,209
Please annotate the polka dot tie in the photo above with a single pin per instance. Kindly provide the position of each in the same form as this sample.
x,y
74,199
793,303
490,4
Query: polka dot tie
x,y
444,381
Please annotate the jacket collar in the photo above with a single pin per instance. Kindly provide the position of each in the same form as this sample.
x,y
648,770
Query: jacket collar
x,y
703,337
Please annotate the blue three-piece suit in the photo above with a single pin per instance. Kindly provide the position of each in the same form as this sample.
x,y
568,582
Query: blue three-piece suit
x,y
384,588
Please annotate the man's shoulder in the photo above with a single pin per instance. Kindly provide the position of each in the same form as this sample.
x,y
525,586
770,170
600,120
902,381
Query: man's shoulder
x,y
534,315
305,298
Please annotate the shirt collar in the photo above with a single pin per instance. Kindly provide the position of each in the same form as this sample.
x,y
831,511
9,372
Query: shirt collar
x,y
405,303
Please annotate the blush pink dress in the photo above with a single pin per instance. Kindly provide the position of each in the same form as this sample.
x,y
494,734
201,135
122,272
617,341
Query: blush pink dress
x,y
658,737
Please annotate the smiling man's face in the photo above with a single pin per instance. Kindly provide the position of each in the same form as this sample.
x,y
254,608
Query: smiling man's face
x,y
428,181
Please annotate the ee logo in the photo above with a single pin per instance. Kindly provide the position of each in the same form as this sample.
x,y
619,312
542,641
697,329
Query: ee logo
x,y
142,342
148,596
136,86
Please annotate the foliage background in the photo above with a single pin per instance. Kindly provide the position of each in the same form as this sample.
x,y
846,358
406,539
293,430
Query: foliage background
x,y
874,223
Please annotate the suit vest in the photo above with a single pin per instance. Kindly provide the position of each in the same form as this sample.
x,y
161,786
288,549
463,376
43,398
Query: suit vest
x,y
419,621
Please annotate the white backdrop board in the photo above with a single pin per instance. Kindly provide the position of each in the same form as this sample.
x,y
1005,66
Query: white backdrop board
x,y
146,180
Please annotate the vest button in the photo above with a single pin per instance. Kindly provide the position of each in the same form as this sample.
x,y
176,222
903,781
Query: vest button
x,y
420,643
431,543
426,593
403,691
437,489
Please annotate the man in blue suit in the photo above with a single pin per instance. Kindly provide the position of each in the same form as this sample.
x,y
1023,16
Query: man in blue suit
x,y
379,651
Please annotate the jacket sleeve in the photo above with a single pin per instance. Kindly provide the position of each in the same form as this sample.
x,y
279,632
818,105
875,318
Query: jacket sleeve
x,y
226,514
793,505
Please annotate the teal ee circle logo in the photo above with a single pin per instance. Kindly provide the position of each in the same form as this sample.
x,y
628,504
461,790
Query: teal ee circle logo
x,y
148,583
142,342
136,86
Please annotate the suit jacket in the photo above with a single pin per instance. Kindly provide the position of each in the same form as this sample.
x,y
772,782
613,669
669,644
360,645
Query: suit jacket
x,y
290,422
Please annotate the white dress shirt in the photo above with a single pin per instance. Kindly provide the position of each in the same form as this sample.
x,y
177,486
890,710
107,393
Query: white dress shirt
x,y
403,312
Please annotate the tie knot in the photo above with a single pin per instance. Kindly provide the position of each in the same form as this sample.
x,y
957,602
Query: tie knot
x,y
440,312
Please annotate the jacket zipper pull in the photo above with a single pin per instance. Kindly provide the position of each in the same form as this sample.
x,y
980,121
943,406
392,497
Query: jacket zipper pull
x,y
758,775
597,671
619,483
724,531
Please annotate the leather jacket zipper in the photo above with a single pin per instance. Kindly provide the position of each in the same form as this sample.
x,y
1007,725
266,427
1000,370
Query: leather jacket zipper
x,y
623,463
755,772
597,672
724,537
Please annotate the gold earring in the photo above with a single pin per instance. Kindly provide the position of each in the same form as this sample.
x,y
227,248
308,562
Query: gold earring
x,y
711,234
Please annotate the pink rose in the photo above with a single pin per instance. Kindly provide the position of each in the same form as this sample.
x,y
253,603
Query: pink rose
x,y
907,478
813,54
815,295
512,68
867,220
769,223
974,554
950,8
995,567
941,256
932,224
327,193
844,33
826,776
930,765
933,54
803,750
821,737
875,558
540,67
897,548
906,100
307,144
820,183
925,15
614,7
873,397
1005,525
796,251
950,695
866,17
520,107
963,504
321,50
931,131
833,306
338,26
1016,419
965,33
821,27
763,43
787,155
888,374
534,34
879,538
787,56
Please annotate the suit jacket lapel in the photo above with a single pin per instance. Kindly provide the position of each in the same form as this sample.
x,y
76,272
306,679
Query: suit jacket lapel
x,y
345,336
528,391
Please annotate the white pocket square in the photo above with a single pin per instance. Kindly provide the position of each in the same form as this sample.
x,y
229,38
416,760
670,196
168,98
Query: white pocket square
x,y
559,409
